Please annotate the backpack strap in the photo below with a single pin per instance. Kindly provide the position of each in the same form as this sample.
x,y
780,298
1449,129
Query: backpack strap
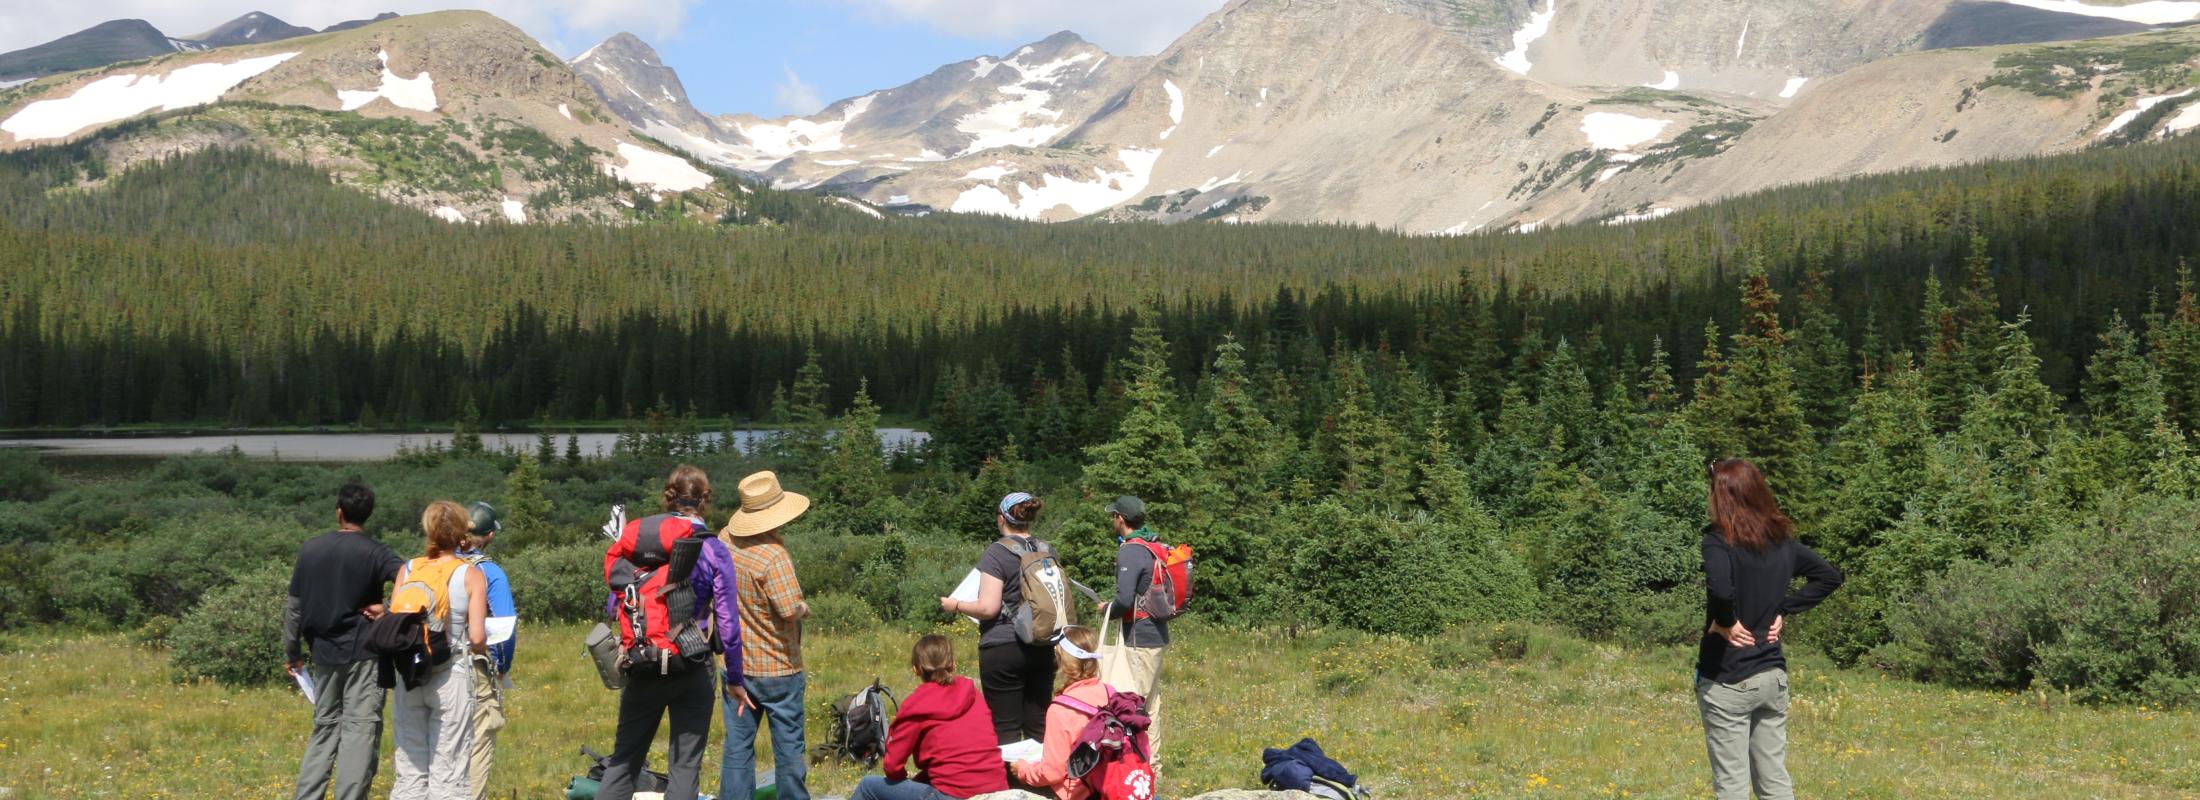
x,y
1079,706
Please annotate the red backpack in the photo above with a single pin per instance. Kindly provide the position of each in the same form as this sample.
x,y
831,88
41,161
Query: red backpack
x,y
1110,754
648,566
1171,589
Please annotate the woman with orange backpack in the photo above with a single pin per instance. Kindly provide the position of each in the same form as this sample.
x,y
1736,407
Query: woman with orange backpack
x,y
434,714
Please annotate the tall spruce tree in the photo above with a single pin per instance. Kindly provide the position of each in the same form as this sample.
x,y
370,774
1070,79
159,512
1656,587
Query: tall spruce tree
x,y
1823,372
1148,455
1767,409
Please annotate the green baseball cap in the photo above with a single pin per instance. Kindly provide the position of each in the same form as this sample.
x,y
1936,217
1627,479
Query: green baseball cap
x,y
484,517
1129,506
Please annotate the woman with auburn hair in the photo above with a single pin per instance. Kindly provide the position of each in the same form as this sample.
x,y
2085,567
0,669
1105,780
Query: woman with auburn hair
x,y
433,720
1750,557
944,727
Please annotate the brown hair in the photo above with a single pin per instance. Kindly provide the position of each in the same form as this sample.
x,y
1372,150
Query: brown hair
x,y
933,658
1021,515
1743,508
1072,669
687,489
446,526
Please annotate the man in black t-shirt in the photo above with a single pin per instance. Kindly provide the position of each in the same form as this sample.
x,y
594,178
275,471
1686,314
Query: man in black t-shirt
x,y
336,589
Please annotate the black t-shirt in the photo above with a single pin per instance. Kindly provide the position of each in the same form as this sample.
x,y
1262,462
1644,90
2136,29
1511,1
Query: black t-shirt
x,y
1752,588
1007,565
338,574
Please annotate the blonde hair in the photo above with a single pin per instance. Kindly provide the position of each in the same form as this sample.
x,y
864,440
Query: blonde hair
x,y
446,526
687,483
1073,669
933,658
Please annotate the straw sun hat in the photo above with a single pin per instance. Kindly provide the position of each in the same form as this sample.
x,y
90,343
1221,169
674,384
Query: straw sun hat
x,y
765,506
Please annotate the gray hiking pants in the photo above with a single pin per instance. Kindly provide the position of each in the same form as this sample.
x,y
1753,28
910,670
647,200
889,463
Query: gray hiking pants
x,y
346,742
1745,730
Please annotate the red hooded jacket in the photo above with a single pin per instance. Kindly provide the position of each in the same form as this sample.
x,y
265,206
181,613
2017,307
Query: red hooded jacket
x,y
948,731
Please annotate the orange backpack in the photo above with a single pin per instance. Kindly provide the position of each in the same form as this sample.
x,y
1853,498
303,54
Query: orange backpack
x,y
1171,589
426,592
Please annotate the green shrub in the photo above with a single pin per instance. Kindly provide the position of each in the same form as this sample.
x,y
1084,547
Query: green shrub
x,y
22,478
234,636
559,583
1469,645
1413,577
840,614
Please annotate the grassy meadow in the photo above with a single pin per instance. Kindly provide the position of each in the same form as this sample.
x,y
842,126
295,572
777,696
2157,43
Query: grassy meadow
x,y
1479,714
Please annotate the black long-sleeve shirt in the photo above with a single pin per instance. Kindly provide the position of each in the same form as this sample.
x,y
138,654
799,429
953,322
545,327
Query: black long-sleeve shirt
x,y
1752,587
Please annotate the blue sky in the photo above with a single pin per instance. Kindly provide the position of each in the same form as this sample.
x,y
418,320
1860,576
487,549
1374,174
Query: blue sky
x,y
767,57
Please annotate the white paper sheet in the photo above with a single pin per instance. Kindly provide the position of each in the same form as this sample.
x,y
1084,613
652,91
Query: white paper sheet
x,y
500,628
306,687
1026,750
967,592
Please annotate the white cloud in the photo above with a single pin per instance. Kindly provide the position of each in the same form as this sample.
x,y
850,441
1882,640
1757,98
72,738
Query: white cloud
x,y
1129,27
562,25
794,96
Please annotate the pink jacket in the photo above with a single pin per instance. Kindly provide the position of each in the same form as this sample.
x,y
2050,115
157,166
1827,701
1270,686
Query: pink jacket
x,y
1063,726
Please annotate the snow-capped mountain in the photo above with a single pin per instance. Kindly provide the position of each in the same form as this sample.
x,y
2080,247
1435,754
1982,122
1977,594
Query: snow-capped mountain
x,y
1025,99
121,40
473,120
1446,117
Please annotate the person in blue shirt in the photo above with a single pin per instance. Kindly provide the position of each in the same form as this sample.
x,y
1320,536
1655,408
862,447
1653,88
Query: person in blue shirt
x,y
492,668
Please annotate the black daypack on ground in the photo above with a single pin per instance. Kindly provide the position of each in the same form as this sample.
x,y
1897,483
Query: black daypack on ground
x,y
648,781
860,723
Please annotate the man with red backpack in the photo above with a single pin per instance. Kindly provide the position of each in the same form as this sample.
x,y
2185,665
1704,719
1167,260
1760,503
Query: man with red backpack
x,y
1152,583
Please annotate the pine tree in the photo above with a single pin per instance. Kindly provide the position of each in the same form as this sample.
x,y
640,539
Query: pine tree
x,y
1978,310
2177,351
572,449
1566,400
1240,444
1768,411
2122,390
1710,412
466,434
1148,456
1659,396
854,471
1949,372
526,512
1363,446
546,443
1822,369
807,419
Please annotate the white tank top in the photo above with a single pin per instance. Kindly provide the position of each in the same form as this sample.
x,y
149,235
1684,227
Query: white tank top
x,y
456,630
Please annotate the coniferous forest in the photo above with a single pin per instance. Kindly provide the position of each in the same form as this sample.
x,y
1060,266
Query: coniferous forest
x,y
1974,388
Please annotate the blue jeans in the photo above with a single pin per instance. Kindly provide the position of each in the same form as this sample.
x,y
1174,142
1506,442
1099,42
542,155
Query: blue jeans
x,y
779,700
874,787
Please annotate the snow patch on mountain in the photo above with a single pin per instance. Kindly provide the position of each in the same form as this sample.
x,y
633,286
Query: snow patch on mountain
x,y
514,211
1082,197
646,167
2184,121
1014,122
1212,183
450,215
1646,216
564,112
769,142
1671,81
1609,130
2145,103
1216,149
1176,106
1793,85
1741,40
117,97
860,207
2151,12
988,174
1539,23
416,93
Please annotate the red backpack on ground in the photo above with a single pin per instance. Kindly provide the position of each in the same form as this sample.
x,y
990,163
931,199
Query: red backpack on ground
x,y
648,566
1171,589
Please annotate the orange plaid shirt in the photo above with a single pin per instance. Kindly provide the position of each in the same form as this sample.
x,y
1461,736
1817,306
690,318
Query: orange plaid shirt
x,y
771,606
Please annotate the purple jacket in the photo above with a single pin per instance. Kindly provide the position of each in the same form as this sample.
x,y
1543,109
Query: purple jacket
x,y
714,590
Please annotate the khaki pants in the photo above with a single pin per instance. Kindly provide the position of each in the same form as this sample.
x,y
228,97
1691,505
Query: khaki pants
x,y
1143,666
347,733
434,724
488,719
1745,731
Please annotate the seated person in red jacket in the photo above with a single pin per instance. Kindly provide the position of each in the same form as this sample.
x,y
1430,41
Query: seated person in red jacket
x,y
943,726
1078,664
